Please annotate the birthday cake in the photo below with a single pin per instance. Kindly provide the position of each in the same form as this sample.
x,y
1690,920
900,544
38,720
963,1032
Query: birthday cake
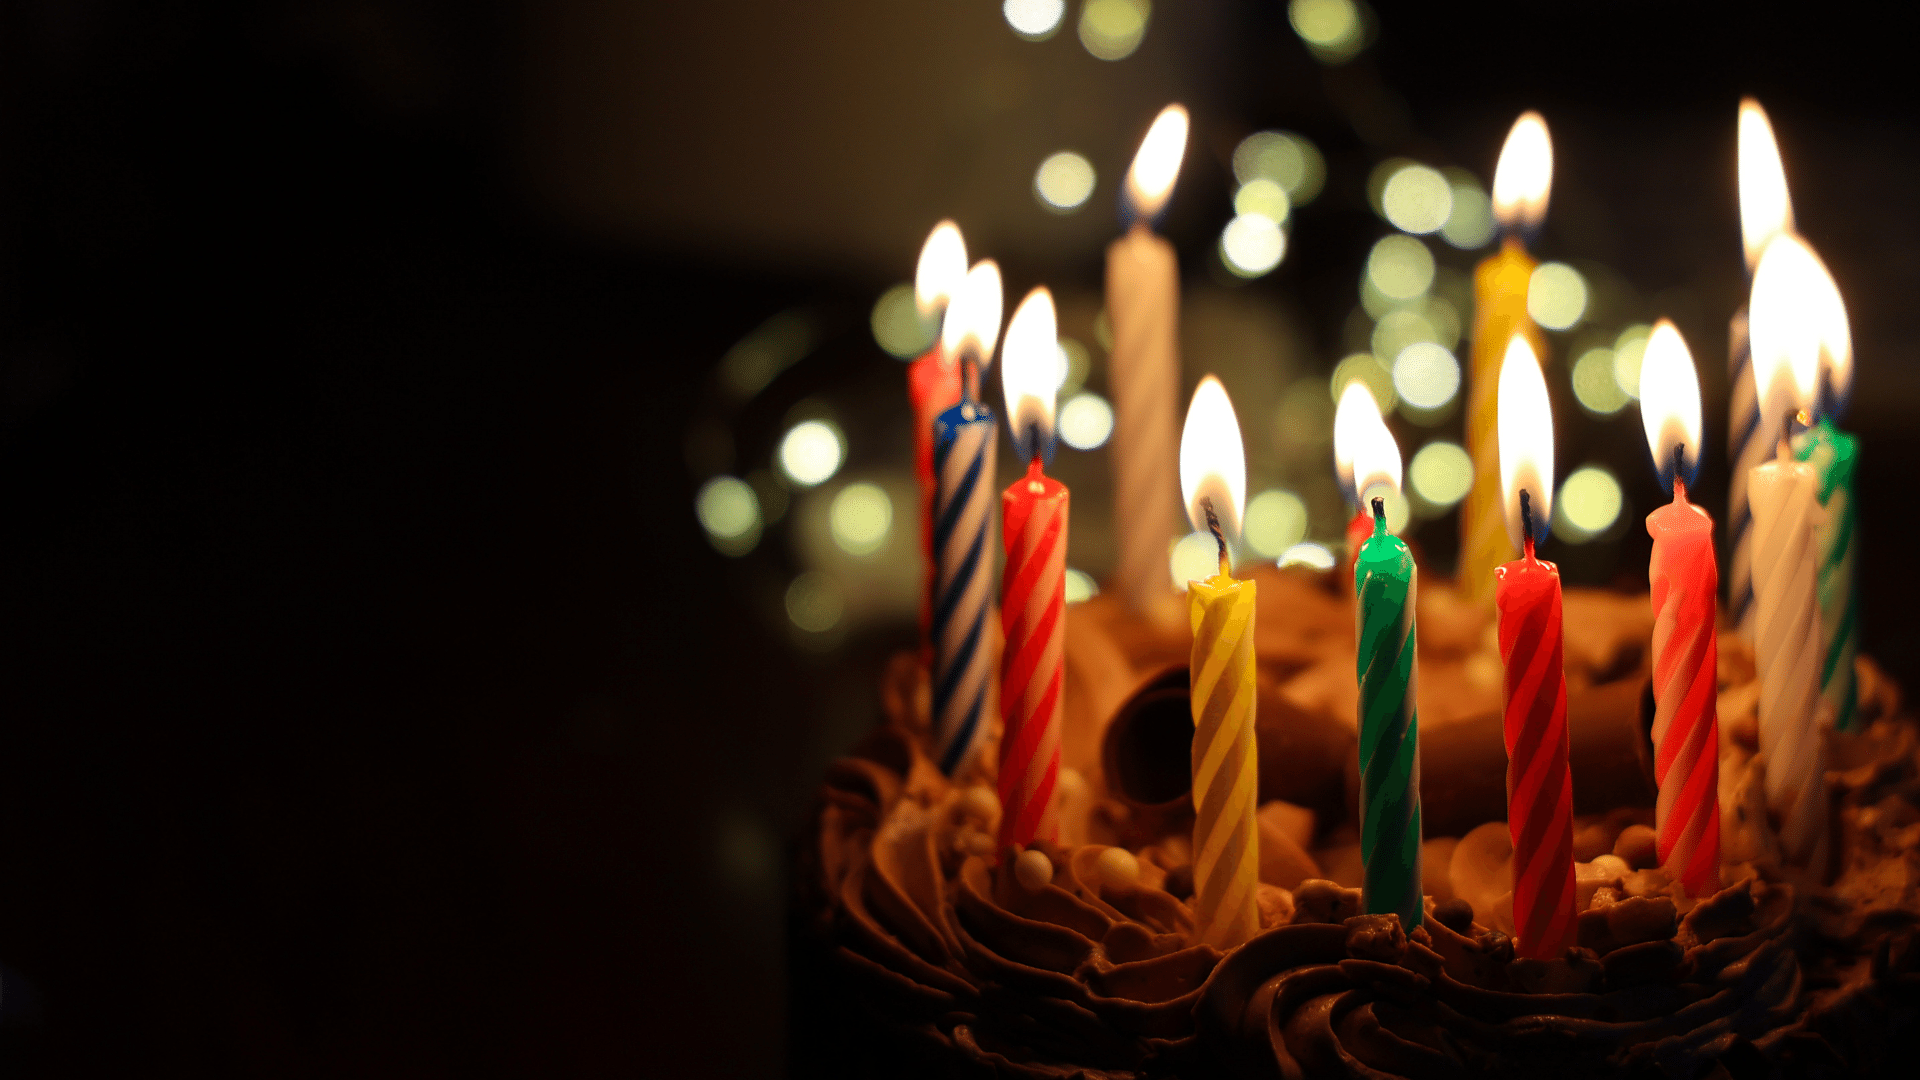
x,y
921,949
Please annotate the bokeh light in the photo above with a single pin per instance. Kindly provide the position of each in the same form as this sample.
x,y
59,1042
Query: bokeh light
x,y
1079,362
1252,244
1368,369
1112,29
1470,224
898,326
861,517
1444,318
730,512
1417,199
1441,473
1400,267
812,452
1196,557
1063,182
1556,295
1035,20
1399,328
1287,159
1425,375
1594,385
1331,27
1264,197
815,602
1628,350
1080,586
1308,554
1398,510
1588,505
1086,421
1276,520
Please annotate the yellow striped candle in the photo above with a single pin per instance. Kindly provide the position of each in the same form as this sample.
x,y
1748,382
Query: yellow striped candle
x,y
1226,773
1520,185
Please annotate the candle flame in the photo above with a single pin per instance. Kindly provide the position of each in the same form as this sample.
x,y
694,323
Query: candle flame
x,y
1670,404
1364,452
1793,311
973,318
1213,462
1524,175
1150,180
942,268
1766,210
1031,373
1525,424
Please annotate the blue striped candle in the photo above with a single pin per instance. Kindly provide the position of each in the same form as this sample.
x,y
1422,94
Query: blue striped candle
x,y
965,656
1746,448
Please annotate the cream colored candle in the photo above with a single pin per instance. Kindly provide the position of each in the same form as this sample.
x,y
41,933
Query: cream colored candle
x,y
1143,305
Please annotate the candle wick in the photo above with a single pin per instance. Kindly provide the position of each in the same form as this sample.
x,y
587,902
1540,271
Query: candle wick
x,y
1526,521
1680,471
1213,526
1379,514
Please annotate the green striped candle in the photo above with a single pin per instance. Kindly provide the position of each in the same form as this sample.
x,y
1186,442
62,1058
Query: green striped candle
x,y
1384,589
1835,455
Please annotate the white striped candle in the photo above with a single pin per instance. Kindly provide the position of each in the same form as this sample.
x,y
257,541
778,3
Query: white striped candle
x,y
964,650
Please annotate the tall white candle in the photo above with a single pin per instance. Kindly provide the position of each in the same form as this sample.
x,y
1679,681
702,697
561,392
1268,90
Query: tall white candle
x,y
1787,651
1143,304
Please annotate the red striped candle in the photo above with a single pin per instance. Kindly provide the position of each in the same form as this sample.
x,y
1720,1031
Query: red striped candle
x,y
1686,653
933,385
1033,587
1527,593
1033,603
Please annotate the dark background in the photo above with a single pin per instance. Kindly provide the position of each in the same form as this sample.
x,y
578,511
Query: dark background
x,y
371,703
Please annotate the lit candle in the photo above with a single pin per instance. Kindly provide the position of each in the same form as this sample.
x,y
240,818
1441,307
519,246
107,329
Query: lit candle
x,y
1226,774
1786,513
933,382
1384,591
1834,455
1527,593
1143,305
1353,420
1033,588
1685,586
1766,211
964,648
1521,182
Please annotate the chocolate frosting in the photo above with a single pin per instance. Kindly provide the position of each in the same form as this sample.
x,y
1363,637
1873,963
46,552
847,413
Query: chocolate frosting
x,y
1087,975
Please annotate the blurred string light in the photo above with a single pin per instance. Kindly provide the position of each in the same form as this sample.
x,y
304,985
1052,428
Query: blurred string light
x,y
1556,295
1368,369
1400,267
1276,520
1400,327
1063,182
774,346
1195,557
1079,362
1628,350
1086,421
1441,474
1287,159
812,452
1252,244
1035,20
1426,376
1594,385
1417,199
1112,29
1470,223
899,328
1308,554
1588,505
815,602
1080,586
1331,28
860,518
1264,197
730,512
